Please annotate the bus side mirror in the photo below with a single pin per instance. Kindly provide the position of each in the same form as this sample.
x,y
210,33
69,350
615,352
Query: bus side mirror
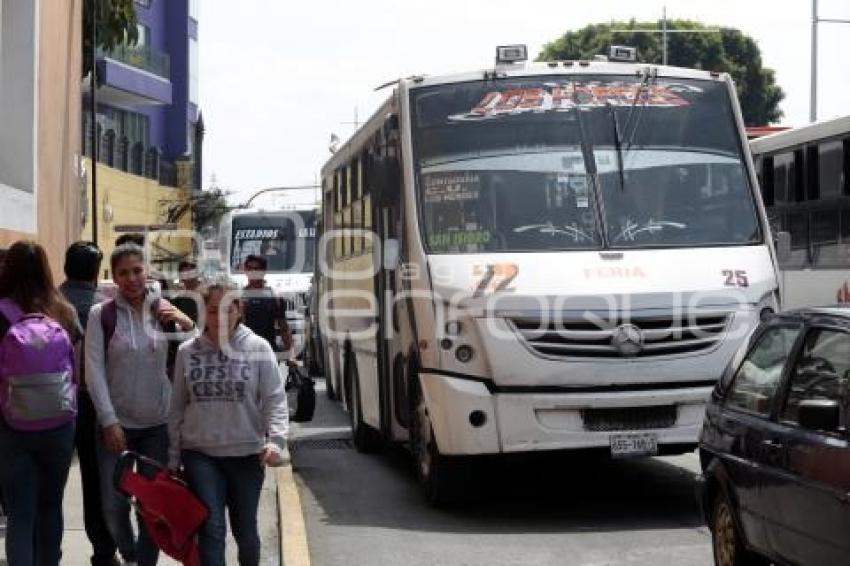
x,y
783,245
391,252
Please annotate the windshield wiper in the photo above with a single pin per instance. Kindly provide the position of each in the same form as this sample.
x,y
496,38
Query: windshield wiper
x,y
649,78
618,146
590,167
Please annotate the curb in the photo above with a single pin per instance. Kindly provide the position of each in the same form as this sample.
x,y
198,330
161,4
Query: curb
x,y
294,550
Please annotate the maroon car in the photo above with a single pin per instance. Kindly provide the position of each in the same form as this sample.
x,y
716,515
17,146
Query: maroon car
x,y
775,445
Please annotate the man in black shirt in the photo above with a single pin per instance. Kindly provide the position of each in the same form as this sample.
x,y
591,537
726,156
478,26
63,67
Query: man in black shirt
x,y
263,312
185,298
82,265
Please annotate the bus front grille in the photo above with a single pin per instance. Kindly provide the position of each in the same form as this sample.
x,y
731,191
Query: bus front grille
x,y
629,418
635,337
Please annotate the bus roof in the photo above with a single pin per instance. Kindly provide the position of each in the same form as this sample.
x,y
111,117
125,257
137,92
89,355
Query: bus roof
x,y
798,136
259,210
564,68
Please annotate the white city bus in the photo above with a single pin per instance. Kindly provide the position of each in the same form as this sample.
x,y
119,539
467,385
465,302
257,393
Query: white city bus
x,y
286,240
540,257
804,175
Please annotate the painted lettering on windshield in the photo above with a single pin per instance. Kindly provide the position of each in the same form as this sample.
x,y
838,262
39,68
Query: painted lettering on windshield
x,y
564,97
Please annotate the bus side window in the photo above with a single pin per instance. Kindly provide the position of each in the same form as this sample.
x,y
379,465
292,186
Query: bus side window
x,y
812,172
768,189
830,169
356,208
337,226
366,170
846,144
346,211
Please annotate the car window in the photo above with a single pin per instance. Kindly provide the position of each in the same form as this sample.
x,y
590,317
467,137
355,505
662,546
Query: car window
x,y
821,372
760,375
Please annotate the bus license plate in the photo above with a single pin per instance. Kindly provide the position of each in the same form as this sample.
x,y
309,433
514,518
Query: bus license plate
x,y
633,445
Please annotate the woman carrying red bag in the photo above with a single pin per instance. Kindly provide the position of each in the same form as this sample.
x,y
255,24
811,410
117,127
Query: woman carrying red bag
x,y
228,421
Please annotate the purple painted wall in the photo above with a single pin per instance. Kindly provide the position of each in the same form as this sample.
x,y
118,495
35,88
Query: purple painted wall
x,y
177,44
170,28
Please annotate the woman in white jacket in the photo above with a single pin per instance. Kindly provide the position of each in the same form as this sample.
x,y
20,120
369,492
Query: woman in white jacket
x,y
228,420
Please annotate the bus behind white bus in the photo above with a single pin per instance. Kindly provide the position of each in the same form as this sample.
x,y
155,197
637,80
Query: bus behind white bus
x,y
541,257
285,239
804,175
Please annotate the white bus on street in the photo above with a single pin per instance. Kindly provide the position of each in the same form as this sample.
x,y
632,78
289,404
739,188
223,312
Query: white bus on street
x,y
551,256
286,240
804,175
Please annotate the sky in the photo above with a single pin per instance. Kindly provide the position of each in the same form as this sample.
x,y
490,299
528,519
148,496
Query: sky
x,y
278,77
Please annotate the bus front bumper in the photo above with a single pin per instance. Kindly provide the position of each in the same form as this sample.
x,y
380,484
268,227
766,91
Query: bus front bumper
x,y
530,421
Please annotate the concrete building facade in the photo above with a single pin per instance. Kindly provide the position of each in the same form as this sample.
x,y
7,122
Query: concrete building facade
x,y
41,191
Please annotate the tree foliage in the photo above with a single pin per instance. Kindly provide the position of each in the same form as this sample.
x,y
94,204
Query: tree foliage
x,y
727,50
208,208
116,23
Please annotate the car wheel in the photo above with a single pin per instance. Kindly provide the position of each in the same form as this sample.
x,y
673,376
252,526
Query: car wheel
x,y
727,543
437,473
366,439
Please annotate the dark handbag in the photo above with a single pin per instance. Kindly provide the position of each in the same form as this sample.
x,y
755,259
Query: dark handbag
x,y
301,389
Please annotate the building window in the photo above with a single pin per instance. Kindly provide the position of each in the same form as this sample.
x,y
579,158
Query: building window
x,y
144,35
193,71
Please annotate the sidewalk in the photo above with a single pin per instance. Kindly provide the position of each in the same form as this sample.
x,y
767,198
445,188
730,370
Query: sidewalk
x,y
76,549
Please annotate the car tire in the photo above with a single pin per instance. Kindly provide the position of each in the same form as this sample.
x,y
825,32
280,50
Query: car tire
x,y
365,438
438,475
726,540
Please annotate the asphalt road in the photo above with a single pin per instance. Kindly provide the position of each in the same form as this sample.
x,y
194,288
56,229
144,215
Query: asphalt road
x,y
367,509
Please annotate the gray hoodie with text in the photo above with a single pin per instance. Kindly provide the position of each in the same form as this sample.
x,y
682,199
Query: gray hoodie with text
x,y
128,382
227,402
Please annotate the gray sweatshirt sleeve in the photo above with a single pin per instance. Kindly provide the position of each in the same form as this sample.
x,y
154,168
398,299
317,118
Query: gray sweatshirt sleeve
x,y
273,398
176,414
96,370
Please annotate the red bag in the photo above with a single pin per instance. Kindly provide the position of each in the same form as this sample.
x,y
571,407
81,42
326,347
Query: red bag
x,y
171,512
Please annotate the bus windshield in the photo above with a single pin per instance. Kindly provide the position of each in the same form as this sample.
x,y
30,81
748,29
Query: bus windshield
x,y
581,163
284,239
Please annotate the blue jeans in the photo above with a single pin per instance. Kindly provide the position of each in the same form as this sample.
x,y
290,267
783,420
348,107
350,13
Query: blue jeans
x,y
236,483
153,443
33,471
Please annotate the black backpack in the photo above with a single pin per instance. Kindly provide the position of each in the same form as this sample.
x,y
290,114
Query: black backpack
x,y
301,387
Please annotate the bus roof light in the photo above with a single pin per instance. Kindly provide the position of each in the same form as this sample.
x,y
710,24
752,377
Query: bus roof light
x,y
510,54
623,53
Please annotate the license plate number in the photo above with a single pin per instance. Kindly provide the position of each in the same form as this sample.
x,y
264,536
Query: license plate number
x,y
633,445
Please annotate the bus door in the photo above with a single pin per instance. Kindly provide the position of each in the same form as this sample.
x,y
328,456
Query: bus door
x,y
387,219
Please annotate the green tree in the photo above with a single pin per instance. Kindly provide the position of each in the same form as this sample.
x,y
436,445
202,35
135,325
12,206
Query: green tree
x,y
208,208
727,50
116,23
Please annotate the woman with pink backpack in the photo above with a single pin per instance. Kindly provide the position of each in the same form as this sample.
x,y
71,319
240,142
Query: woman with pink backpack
x,y
38,404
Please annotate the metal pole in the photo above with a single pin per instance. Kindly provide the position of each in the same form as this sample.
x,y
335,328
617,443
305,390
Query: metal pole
x,y
813,102
664,36
93,119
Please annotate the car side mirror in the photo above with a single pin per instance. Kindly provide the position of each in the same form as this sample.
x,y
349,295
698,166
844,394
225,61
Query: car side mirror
x,y
783,245
819,414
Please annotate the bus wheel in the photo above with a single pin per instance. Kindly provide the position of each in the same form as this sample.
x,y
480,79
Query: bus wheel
x,y
366,439
437,473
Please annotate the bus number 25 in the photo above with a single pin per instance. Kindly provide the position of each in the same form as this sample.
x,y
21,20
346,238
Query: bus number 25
x,y
736,278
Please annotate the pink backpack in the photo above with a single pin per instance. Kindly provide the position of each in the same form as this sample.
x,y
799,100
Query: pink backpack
x,y
37,386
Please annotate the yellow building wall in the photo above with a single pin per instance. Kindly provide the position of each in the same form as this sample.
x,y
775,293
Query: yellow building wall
x,y
131,199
